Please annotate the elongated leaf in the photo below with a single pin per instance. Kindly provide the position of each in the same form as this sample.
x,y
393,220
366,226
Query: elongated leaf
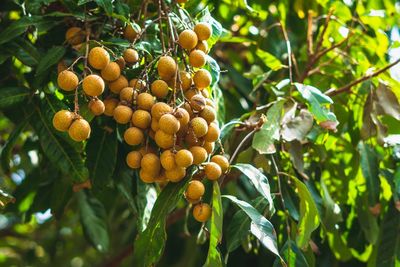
x,y
10,96
18,27
213,67
145,199
52,57
366,219
269,60
292,255
106,5
370,171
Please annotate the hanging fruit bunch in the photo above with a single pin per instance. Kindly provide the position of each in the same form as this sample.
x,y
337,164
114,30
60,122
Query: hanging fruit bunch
x,y
162,102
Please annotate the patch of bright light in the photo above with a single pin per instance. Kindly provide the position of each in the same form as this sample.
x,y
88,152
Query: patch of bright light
x,y
42,217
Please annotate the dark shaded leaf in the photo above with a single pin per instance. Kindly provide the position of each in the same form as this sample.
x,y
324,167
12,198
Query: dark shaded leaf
x,y
18,27
10,96
292,255
370,171
51,58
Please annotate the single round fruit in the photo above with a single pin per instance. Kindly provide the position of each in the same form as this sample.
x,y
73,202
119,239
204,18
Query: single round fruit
x,y
121,63
198,102
96,106
79,130
199,154
184,158
122,114
67,80
93,85
195,190
212,133
191,93
209,101
131,31
141,118
203,31
176,174
167,159
159,109
169,124
222,162
202,212
197,58
62,120
166,67
163,139
133,159
119,84
137,84
188,39
147,177
199,126
133,136
98,58
111,72
212,171
205,93
127,94
110,104
202,79
151,164
159,88
203,46
208,113
154,125
75,35
209,147
131,55
145,101
183,116
186,80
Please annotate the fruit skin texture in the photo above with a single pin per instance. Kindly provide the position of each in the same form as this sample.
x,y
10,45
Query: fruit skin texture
x,y
120,83
130,32
209,147
188,39
145,101
166,67
212,133
167,159
96,106
195,190
146,177
122,114
133,136
159,109
183,116
199,154
197,58
111,72
93,85
98,58
67,80
203,46
127,94
133,159
186,80
208,113
184,158
151,164
163,139
169,124
202,79
141,119
159,88
110,104
79,130
203,31
202,212
176,174
62,120
75,35
221,161
212,171
198,102
131,55
199,126
121,63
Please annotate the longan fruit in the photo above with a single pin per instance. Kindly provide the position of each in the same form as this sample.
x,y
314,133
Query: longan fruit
x,y
137,84
184,158
203,31
127,94
197,58
199,154
189,109
209,147
75,36
212,133
222,162
195,190
146,177
67,80
212,171
191,93
98,58
131,32
163,139
198,102
62,120
146,149
159,109
191,139
167,159
79,130
133,159
154,125
111,72
141,118
188,39
166,67
183,116
131,55
159,88
61,66
192,201
120,83
199,126
205,93
202,212
122,114
186,80
133,136
121,63
151,163
208,113
176,174
96,106
203,46
93,85
169,124
110,104
209,102
145,101
202,79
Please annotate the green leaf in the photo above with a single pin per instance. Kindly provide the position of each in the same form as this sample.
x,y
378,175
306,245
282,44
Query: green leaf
x,y
370,171
292,255
93,219
106,5
213,67
51,58
18,27
217,28
269,60
214,256
298,127
366,219
145,199
10,96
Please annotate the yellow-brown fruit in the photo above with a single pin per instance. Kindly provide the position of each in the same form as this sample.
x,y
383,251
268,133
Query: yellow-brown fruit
x,y
186,80
183,116
133,159
195,190
151,133
127,94
169,124
222,162
159,88
133,136
192,140
75,35
203,31
184,158
154,125
93,85
197,58
141,118
151,164
146,149
98,58
166,67
188,39
147,177
202,79
62,120
176,174
208,113
159,109
212,133
61,66
202,212
137,84
189,109
67,80
79,130
122,114
131,55
209,147
119,84
111,72
205,93
199,126
203,46
131,32
199,154
209,101
167,159
110,104
212,171
163,139
96,106
121,63
191,93
145,101
198,102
